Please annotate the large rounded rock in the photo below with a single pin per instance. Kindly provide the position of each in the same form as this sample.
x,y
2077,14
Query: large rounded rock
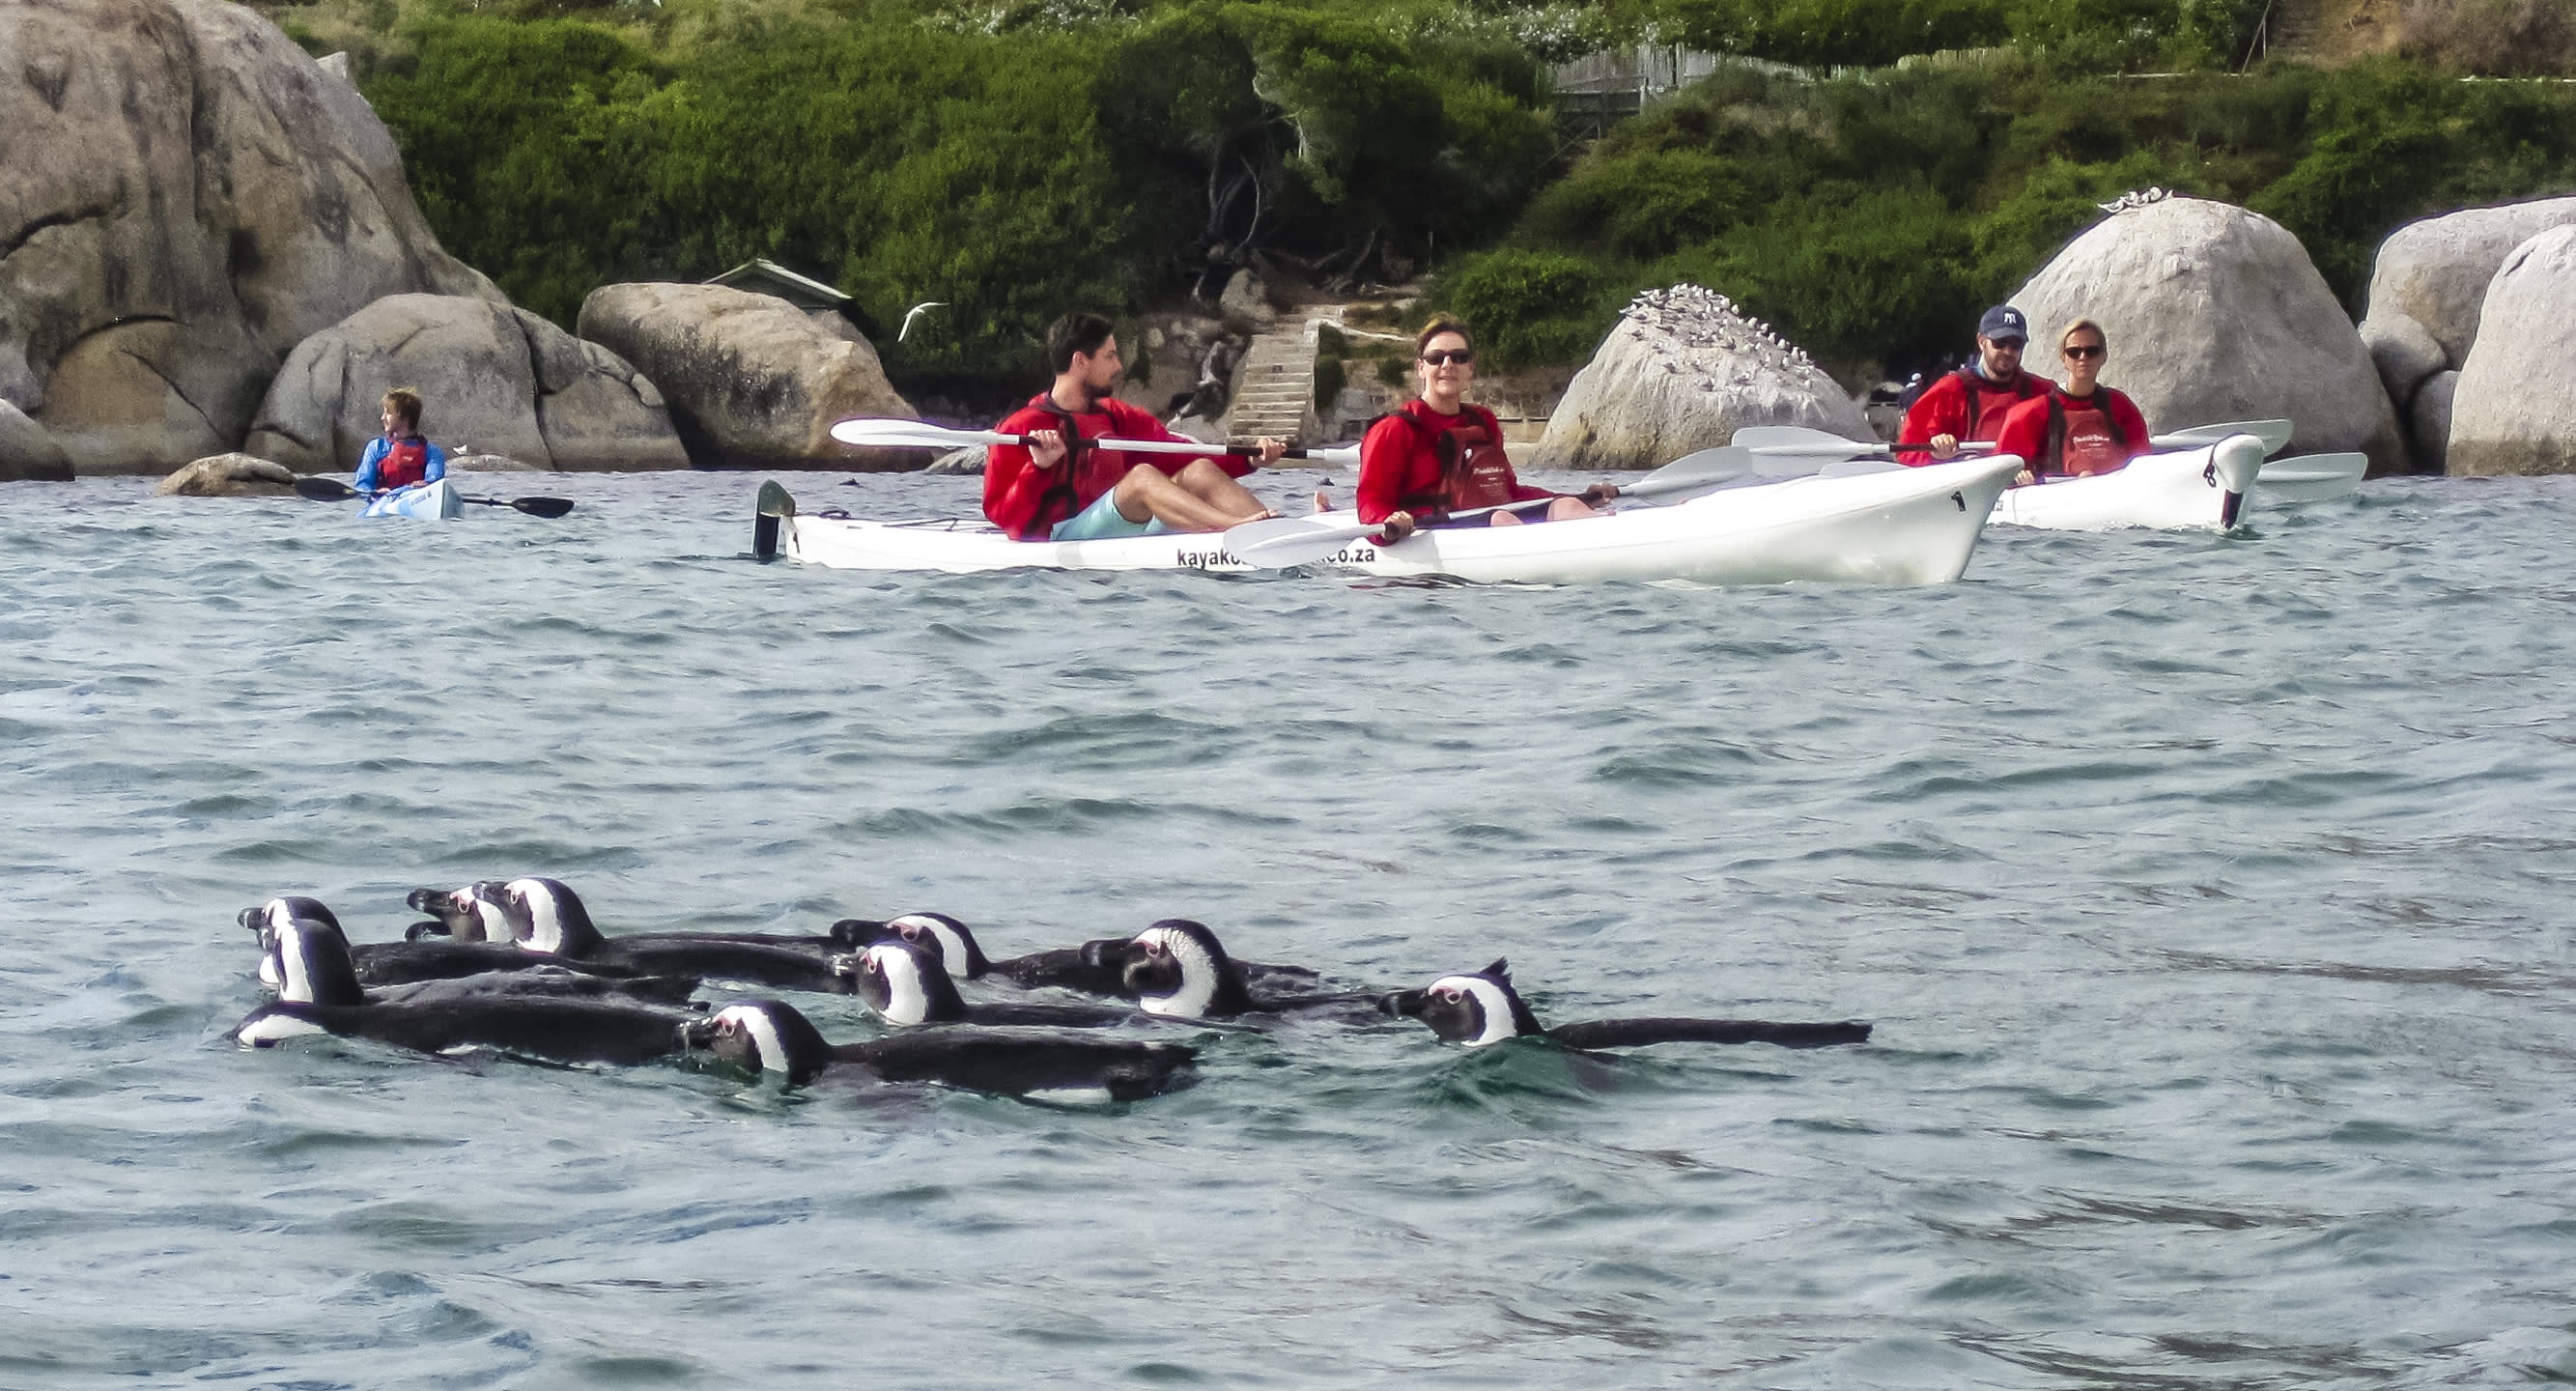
x,y
2405,352
188,197
2436,271
2215,313
1683,371
27,453
2513,413
491,378
229,475
751,379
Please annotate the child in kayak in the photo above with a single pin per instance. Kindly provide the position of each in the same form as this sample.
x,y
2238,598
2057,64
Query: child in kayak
x,y
1439,455
399,457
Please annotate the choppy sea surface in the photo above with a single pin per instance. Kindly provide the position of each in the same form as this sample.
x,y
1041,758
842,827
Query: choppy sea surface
x,y
2209,895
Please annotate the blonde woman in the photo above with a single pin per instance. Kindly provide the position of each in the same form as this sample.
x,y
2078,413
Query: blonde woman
x,y
2080,427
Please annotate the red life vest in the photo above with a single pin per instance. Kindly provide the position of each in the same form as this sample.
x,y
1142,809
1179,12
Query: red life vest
x,y
1474,469
2085,438
1988,402
406,462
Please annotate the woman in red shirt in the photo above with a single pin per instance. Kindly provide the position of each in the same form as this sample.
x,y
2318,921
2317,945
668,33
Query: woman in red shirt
x,y
2081,427
1440,455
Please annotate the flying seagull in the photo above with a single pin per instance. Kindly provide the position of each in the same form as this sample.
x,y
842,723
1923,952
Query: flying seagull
x,y
914,313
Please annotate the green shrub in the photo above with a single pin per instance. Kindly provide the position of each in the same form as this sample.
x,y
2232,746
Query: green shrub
x,y
1532,307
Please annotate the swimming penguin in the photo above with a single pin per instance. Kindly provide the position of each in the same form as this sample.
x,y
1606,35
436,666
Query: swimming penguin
x,y
311,961
767,1036
905,983
1177,969
1483,1008
550,918
1065,968
322,997
401,963
461,915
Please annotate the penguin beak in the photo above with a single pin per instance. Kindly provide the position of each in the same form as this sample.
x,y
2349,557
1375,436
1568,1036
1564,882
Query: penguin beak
x,y
1402,1003
1107,953
424,900
250,918
855,932
698,1033
417,931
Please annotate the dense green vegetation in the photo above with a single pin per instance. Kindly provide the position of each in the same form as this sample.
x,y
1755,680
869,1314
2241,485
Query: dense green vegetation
x,y
1016,158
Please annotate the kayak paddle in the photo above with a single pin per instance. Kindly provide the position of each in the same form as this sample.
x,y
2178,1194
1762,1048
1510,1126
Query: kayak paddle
x,y
871,433
333,490
1277,542
1800,442
2312,477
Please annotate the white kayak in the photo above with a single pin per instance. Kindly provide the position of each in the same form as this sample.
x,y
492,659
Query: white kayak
x,y
2206,487
1898,527
436,500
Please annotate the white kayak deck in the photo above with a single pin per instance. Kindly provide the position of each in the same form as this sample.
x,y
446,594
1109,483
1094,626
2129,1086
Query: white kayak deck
x,y
1901,527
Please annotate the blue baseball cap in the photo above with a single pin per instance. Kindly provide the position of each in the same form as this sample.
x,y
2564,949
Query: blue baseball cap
x,y
2002,322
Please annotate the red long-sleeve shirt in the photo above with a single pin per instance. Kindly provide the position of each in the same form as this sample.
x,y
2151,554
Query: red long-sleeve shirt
x,y
2103,431
1400,468
1951,407
1027,502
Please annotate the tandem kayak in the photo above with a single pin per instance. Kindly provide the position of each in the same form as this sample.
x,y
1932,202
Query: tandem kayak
x,y
2205,487
437,500
1899,527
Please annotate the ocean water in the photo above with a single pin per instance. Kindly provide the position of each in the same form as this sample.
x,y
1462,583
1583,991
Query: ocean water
x,y
2208,894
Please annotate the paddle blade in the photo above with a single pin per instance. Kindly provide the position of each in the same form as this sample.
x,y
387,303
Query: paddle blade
x,y
1280,542
1770,439
868,432
770,511
325,489
2275,435
542,506
2312,477
1694,473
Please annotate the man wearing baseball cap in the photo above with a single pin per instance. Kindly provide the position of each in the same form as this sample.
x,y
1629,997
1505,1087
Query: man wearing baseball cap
x,y
1970,404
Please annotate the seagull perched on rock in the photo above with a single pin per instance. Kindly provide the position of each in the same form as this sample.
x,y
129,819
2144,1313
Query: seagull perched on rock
x,y
914,313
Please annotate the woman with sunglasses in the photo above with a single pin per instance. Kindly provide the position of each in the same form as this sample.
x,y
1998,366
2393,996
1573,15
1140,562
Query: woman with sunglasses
x,y
2080,426
1441,455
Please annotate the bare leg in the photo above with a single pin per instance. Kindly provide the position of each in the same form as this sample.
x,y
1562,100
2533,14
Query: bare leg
x,y
1217,488
1149,493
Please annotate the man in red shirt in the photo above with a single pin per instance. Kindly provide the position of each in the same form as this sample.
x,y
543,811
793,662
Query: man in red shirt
x,y
2081,427
1970,404
1066,491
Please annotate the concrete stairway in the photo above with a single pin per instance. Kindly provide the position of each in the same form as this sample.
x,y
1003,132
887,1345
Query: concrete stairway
x,y
1274,388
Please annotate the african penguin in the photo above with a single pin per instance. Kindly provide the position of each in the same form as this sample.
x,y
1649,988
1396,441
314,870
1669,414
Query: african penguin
x,y
311,961
1483,1008
1065,968
766,1036
1177,968
322,997
400,963
905,983
550,919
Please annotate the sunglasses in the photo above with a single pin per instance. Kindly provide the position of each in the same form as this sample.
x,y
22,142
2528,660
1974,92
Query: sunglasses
x,y
2081,351
1461,356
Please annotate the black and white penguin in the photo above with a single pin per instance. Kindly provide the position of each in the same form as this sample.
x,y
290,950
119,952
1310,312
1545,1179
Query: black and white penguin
x,y
460,915
402,963
312,962
1177,969
905,983
321,996
1483,1008
766,1036
1064,968
549,918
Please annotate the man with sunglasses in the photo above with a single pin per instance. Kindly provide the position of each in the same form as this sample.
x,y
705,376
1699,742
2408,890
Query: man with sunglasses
x,y
1970,404
1441,454
1064,490
2082,427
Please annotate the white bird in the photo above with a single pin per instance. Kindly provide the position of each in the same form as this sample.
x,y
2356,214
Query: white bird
x,y
914,313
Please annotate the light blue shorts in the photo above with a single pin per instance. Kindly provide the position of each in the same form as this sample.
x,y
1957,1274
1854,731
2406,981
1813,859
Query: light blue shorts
x,y
1101,521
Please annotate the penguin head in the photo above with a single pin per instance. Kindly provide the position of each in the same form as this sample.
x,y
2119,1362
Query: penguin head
x,y
955,943
546,916
312,963
762,1036
1475,1010
463,914
904,982
267,918
1177,968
